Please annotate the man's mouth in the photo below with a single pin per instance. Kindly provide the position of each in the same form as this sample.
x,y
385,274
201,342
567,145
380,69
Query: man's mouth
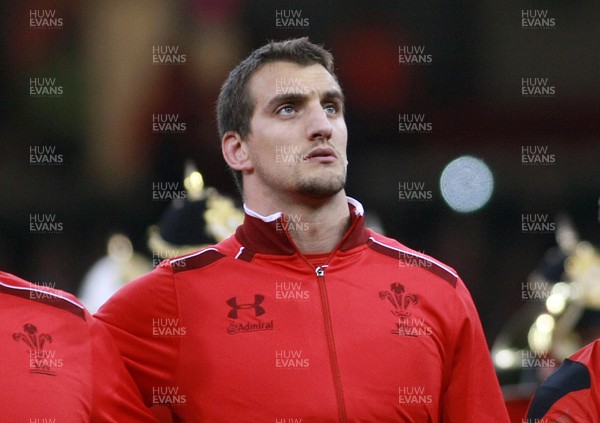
x,y
322,155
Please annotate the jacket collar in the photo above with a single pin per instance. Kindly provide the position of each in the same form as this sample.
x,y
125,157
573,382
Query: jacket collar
x,y
268,234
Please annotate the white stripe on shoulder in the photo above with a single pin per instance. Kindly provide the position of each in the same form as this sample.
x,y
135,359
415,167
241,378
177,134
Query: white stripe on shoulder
x,y
417,254
42,292
197,253
239,252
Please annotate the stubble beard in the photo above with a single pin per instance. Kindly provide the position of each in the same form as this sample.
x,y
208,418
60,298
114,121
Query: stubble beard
x,y
320,187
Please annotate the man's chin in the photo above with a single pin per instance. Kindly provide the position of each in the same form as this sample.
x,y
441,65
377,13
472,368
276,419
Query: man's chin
x,y
321,189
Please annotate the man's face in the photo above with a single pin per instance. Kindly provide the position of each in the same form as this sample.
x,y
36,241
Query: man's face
x,y
298,136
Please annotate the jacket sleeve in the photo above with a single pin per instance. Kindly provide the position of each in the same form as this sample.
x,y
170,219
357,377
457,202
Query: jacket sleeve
x,y
570,393
116,398
133,316
472,392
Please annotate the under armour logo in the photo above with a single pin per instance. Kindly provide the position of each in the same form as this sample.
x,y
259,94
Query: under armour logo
x,y
258,310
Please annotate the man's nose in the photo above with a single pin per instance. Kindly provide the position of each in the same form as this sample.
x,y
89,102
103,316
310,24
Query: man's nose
x,y
318,124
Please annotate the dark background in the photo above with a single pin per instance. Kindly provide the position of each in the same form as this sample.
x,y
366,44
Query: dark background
x,y
470,93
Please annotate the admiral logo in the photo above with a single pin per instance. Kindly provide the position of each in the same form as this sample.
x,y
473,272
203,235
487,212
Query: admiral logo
x,y
413,395
41,361
291,359
44,155
167,55
290,19
167,327
258,310
536,155
413,55
412,260
165,123
44,87
414,123
291,222
536,223
290,291
167,191
413,191
44,223
167,395
290,86
537,19
289,154
531,359
44,19
537,87
235,328
536,290
399,299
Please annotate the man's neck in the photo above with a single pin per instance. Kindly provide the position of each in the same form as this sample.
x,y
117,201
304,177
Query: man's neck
x,y
315,227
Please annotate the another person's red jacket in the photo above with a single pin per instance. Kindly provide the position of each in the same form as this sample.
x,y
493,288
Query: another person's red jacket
x,y
253,330
58,363
572,393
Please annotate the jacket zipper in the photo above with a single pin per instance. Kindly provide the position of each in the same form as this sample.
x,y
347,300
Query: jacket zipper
x,y
337,381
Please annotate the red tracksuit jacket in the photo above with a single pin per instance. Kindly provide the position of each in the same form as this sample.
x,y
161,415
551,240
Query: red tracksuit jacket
x,y
572,393
251,330
59,365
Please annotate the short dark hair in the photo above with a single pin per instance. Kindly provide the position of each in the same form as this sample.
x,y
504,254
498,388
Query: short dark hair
x,y
235,105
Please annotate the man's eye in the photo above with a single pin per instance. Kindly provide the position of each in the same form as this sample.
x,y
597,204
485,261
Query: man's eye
x,y
286,110
331,108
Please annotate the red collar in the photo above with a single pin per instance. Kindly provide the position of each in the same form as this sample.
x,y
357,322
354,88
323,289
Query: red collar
x,y
269,235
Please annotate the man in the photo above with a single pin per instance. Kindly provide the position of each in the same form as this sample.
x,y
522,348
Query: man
x,y
58,363
571,393
304,314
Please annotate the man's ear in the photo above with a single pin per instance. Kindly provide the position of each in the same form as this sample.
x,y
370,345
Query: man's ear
x,y
235,151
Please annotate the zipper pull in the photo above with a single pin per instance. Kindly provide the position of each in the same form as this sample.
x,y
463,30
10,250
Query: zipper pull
x,y
320,271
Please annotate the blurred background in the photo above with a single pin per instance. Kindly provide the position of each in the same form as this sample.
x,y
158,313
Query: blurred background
x,y
88,87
